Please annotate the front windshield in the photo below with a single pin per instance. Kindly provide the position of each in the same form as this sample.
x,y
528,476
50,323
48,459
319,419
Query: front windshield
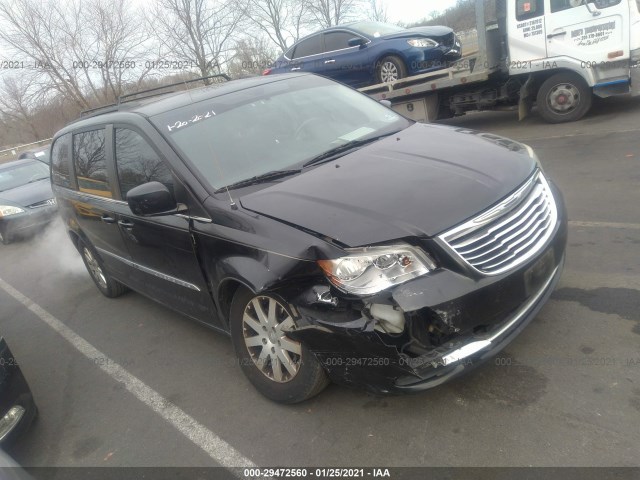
x,y
13,177
274,126
376,29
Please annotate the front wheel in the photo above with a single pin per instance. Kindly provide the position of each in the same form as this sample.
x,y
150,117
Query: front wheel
x,y
564,97
280,368
108,286
390,69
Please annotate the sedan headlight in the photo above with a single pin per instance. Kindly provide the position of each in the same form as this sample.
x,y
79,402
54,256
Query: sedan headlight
x,y
6,210
422,42
370,270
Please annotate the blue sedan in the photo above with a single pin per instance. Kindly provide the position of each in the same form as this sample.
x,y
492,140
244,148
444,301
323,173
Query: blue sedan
x,y
367,53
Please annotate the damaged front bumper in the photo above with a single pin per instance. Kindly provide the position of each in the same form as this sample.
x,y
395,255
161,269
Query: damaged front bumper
x,y
481,315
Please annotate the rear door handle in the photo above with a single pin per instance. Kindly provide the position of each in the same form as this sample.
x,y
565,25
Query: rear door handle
x,y
125,224
295,69
329,61
107,219
558,34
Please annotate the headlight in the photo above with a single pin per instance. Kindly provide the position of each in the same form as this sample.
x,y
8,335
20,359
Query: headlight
x,y
6,210
422,42
370,270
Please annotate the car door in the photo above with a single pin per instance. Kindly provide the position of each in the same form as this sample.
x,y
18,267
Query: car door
x,y
161,248
349,65
596,32
307,55
94,202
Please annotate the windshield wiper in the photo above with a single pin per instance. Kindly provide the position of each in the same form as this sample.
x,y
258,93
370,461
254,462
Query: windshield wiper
x,y
265,177
37,179
341,150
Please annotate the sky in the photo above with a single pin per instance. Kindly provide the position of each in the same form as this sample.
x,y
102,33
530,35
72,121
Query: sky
x,y
408,11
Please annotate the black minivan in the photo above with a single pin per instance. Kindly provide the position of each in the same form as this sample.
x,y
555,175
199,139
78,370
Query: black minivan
x,y
332,238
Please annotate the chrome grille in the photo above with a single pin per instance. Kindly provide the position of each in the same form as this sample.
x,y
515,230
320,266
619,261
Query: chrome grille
x,y
510,233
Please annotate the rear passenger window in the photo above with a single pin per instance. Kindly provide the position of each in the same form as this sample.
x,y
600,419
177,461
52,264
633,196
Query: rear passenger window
x,y
90,164
61,161
138,163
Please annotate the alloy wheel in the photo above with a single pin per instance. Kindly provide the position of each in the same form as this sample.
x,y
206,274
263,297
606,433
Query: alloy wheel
x,y
389,72
94,268
265,324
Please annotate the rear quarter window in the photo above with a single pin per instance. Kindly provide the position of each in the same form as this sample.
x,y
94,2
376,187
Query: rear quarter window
x,y
61,161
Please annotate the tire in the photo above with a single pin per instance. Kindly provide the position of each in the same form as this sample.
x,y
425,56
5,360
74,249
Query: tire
x,y
564,97
255,334
106,284
386,67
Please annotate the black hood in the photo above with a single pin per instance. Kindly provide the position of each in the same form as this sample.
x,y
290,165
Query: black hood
x,y
428,32
28,194
419,182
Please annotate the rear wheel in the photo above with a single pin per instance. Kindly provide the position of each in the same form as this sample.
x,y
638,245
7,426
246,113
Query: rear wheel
x,y
564,97
280,368
106,284
390,69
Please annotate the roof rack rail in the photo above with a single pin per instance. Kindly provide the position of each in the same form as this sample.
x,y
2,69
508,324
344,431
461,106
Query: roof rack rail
x,y
127,97
84,113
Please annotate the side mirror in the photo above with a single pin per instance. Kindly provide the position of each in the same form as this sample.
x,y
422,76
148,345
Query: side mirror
x,y
357,42
152,199
386,103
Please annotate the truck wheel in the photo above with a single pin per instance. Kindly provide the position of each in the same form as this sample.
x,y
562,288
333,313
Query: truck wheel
x,y
280,368
390,69
564,97
108,286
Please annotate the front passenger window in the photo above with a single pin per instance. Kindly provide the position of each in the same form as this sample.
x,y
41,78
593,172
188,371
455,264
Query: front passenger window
x,y
138,163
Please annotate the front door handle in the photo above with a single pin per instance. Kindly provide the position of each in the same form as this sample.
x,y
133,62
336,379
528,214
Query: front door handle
x,y
295,69
558,34
329,61
107,219
125,224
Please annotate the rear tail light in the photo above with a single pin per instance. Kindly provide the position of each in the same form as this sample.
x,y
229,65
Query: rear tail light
x,y
266,71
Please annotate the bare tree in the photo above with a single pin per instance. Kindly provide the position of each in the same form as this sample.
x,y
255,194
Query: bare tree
x,y
197,31
378,11
328,13
252,56
16,105
86,51
282,21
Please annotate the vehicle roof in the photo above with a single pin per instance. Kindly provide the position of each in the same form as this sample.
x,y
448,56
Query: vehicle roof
x,y
16,163
157,104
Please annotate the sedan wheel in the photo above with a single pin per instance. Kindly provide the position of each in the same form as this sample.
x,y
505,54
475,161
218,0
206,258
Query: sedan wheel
x,y
281,368
390,69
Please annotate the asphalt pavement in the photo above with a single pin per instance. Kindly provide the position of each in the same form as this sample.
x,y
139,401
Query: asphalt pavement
x,y
127,382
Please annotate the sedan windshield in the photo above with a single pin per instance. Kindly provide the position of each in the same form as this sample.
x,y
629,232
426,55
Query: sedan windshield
x,y
376,29
12,177
272,127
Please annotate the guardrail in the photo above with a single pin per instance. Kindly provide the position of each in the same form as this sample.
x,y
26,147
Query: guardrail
x,y
12,153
